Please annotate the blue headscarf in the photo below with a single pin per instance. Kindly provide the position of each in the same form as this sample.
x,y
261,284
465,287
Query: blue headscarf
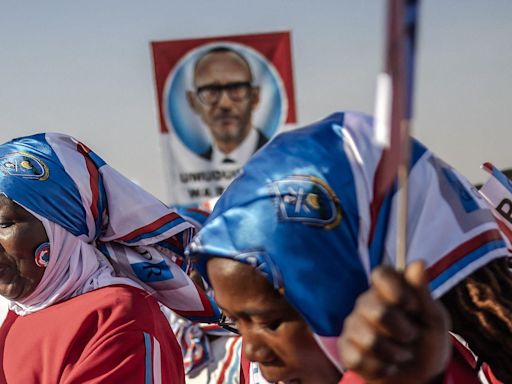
x,y
300,214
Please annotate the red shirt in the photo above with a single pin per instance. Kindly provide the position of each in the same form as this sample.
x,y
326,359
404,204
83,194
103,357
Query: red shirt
x,y
114,334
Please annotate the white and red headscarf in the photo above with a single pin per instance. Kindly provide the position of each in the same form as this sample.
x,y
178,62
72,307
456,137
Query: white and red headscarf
x,y
102,228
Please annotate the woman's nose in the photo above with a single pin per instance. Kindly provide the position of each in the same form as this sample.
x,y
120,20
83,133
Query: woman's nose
x,y
255,349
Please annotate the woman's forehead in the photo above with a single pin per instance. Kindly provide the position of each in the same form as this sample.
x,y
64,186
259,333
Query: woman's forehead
x,y
12,210
7,205
231,275
239,285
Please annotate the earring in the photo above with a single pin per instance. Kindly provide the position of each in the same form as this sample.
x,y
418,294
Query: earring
x,y
42,255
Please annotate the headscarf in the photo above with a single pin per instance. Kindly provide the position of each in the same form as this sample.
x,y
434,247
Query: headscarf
x,y
193,336
103,229
304,213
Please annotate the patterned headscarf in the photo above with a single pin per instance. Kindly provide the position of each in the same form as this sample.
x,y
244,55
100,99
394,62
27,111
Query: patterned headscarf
x,y
103,229
305,214
193,336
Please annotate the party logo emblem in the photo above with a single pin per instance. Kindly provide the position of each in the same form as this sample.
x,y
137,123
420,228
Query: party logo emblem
x,y
152,272
307,199
24,165
42,255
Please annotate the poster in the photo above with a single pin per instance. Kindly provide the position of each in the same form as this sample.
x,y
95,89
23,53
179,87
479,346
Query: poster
x,y
219,100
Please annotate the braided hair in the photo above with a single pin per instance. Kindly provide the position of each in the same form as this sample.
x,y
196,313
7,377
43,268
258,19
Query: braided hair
x,y
481,311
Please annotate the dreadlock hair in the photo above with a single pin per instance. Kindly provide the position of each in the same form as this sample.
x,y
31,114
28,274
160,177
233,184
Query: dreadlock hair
x,y
481,311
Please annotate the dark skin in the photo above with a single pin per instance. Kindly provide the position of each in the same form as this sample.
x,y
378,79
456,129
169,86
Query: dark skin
x,y
20,234
397,333
275,335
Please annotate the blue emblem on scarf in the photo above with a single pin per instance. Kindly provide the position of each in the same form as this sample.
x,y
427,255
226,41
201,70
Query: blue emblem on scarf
x,y
308,200
23,165
32,174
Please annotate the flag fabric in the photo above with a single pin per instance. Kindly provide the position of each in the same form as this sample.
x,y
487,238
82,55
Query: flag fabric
x,y
497,192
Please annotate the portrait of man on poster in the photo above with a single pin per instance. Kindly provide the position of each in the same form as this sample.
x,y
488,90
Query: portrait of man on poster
x,y
224,96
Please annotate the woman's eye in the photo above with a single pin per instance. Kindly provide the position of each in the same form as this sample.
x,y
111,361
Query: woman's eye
x,y
273,325
6,224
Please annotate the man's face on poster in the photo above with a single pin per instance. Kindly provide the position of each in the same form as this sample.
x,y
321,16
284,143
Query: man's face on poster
x,y
224,97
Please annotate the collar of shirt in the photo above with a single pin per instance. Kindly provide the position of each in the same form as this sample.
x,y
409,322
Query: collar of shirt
x,y
240,154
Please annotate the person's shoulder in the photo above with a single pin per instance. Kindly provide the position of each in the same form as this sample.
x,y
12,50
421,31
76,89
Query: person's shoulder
x,y
105,310
123,298
117,301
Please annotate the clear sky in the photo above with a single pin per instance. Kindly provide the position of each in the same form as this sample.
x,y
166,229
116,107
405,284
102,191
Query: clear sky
x,y
84,67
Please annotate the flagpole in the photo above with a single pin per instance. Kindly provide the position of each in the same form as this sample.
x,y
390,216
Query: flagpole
x,y
394,110
403,198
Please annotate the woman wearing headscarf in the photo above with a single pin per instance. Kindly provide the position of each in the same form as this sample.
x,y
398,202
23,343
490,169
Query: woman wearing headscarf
x,y
291,245
86,256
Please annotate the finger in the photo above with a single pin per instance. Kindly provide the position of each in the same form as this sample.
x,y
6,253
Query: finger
x,y
416,275
393,289
386,320
432,311
367,366
382,347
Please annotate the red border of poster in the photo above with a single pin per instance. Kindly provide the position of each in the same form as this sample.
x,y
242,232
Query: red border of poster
x,y
275,47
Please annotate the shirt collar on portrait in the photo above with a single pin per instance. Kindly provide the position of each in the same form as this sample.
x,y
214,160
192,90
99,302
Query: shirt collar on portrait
x,y
240,154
